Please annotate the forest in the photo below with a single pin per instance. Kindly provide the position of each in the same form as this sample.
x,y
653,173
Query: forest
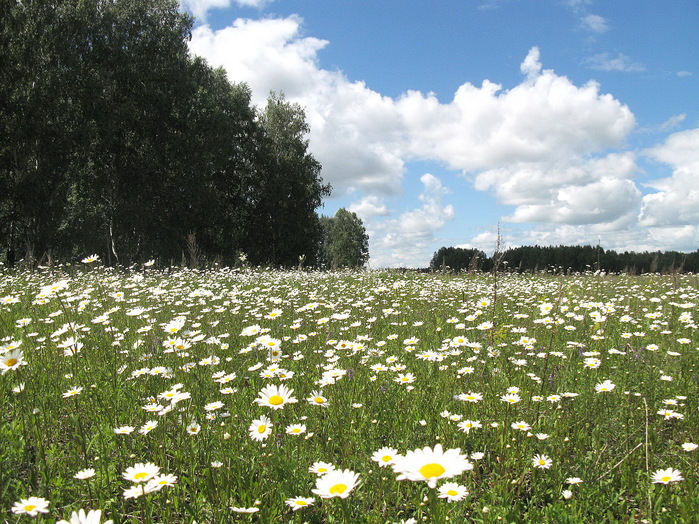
x,y
565,259
116,141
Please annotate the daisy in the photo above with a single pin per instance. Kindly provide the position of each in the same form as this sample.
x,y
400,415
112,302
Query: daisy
x,y
431,465
296,429
213,406
468,425
337,483
260,428
316,399
160,481
573,480
93,516
148,427
605,386
275,397
298,503
522,426
511,398
11,361
72,392
385,456
470,397
141,472
193,428
321,468
124,430
85,474
665,476
31,506
689,446
244,510
542,462
452,491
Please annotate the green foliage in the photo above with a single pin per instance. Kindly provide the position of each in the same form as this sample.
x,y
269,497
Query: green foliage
x,y
345,242
116,141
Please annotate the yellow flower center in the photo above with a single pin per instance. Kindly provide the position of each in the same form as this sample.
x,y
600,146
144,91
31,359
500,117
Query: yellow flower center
x,y
29,507
452,493
666,479
261,428
276,400
319,400
432,470
141,475
338,488
10,362
301,503
386,458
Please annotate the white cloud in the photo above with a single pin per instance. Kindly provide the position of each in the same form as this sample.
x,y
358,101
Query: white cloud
x,y
404,241
673,122
676,202
608,62
369,206
594,23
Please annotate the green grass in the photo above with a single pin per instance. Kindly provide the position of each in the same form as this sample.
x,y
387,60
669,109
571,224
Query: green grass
x,y
614,441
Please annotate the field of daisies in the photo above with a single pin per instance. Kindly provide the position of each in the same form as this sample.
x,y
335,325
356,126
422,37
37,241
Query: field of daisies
x,y
217,396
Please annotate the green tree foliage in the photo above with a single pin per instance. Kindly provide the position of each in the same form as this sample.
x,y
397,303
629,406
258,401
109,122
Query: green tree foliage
x,y
115,141
345,242
459,259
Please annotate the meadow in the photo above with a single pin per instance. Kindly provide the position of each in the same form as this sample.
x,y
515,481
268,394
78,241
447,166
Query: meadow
x,y
217,396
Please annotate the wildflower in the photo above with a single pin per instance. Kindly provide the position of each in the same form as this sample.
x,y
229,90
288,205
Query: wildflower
x,y
468,425
567,494
470,397
689,446
337,483
90,259
93,516
542,462
321,468
407,378
148,427
72,392
260,428
193,428
602,387
244,510
385,456
296,429
141,472
522,426
160,481
431,465
452,491
275,397
31,506
511,398
665,476
316,399
12,360
573,480
124,430
85,474
213,406
298,503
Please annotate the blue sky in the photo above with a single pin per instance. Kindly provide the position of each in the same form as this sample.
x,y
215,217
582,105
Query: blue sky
x,y
561,121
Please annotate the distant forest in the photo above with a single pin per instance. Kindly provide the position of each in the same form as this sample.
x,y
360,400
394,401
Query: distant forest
x,y
566,259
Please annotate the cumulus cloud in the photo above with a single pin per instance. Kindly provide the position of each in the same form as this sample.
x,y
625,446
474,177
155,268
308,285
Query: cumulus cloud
x,y
609,62
546,117
676,201
369,206
403,241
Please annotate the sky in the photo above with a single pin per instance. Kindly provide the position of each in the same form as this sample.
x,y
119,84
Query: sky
x,y
483,123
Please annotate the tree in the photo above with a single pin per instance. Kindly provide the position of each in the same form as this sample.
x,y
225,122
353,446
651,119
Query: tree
x,y
458,259
285,225
345,242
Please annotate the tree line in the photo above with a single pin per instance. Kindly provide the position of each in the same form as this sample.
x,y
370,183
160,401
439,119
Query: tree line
x,y
115,141
565,259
